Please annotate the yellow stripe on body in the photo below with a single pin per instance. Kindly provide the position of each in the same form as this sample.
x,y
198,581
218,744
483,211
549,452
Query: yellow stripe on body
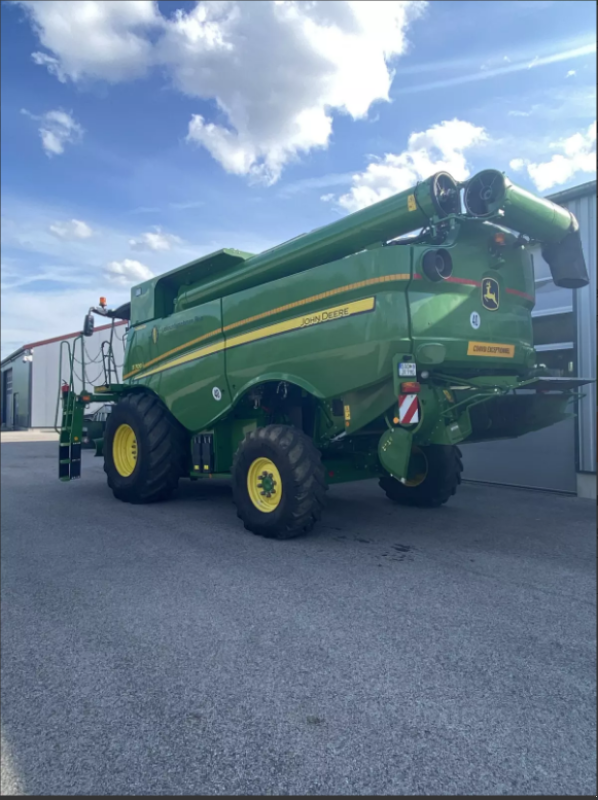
x,y
401,276
297,323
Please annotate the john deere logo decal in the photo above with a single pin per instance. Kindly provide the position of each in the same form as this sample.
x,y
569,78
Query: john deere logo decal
x,y
490,294
155,335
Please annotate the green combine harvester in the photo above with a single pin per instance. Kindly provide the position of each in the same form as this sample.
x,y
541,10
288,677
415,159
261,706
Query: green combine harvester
x,y
344,354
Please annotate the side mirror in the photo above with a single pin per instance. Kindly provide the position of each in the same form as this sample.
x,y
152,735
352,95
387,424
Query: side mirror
x,y
88,325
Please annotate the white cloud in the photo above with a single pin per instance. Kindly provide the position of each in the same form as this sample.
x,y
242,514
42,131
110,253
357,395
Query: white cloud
x,y
187,205
57,129
52,64
571,73
154,240
127,272
47,283
73,229
578,154
441,147
94,39
517,164
277,71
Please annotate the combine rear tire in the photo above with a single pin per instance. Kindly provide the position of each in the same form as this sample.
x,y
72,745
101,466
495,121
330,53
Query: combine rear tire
x,y
144,450
436,474
278,482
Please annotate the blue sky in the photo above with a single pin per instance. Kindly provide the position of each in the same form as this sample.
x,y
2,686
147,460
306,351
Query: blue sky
x,y
137,135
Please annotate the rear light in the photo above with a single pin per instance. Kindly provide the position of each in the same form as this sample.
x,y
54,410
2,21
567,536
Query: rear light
x,y
410,387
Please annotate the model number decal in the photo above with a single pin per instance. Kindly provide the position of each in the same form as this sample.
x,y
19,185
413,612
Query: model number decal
x,y
491,349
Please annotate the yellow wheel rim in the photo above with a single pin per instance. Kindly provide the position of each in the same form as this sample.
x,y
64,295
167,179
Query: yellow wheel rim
x,y
124,450
418,468
264,485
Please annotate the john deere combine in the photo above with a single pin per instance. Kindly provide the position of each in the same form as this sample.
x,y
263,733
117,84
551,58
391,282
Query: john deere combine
x,y
344,354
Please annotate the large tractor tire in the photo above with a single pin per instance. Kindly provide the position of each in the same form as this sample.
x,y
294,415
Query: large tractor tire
x,y
279,484
434,474
144,449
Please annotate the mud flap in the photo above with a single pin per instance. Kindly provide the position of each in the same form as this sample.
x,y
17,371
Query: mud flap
x,y
394,451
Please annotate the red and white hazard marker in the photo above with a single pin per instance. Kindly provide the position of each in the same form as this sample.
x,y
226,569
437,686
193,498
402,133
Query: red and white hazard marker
x,y
408,409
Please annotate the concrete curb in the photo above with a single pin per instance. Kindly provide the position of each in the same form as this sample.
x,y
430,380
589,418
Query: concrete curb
x,y
28,436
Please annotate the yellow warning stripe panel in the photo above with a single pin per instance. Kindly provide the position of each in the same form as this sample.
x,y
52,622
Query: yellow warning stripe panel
x,y
297,323
401,276
491,349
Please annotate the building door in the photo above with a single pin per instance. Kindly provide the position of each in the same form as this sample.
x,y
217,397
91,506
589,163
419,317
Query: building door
x,y
15,410
7,407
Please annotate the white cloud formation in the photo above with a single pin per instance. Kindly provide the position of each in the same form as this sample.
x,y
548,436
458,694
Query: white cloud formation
x,y
57,129
440,148
279,70
52,64
578,154
571,73
104,39
72,229
47,283
127,272
276,70
155,240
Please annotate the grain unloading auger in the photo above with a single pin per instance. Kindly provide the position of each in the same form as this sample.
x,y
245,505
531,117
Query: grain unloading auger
x,y
350,352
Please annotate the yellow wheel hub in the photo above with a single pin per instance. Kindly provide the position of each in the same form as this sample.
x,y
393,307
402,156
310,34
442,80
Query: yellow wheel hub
x,y
418,468
264,485
124,450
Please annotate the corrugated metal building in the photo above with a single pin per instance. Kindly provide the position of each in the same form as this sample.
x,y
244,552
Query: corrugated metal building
x,y
30,376
562,457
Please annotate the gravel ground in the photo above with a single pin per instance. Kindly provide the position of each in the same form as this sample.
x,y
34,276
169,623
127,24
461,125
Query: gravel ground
x,y
165,650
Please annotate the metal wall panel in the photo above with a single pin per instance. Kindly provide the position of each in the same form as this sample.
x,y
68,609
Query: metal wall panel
x,y
16,413
584,209
46,370
547,458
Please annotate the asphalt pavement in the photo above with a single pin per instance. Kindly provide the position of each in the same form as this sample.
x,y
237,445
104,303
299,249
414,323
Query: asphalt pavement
x,y
165,650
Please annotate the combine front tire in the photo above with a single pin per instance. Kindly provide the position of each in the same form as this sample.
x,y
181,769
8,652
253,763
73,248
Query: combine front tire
x,y
435,473
144,450
278,482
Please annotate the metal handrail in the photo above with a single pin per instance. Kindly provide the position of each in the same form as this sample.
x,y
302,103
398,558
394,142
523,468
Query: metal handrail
x,y
71,353
70,358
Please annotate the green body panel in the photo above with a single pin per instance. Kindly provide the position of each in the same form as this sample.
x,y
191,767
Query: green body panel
x,y
330,316
444,315
156,297
234,343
